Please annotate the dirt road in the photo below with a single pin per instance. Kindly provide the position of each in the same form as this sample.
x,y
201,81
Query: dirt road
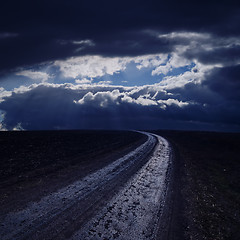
x,y
123,200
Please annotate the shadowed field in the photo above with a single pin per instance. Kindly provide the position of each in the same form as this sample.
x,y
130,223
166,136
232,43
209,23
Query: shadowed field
x,y
209,183
31,151
204,197
36,163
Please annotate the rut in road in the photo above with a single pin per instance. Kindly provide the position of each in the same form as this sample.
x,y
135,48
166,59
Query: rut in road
x,y
134,213
43,219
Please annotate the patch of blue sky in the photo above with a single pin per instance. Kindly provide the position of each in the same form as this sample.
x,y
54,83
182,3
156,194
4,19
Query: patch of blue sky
x,y
180,70
12,81
15,80
131,76
57,77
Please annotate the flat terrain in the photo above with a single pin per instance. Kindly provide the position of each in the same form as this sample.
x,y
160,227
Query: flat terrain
x,y
121,199
36,163
207,184
104,184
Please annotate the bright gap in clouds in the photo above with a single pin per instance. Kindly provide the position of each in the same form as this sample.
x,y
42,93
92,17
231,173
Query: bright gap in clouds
x,y
131,76
95,70
92,91
121,71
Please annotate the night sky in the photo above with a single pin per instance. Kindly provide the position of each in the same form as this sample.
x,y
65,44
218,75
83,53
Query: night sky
x,y
120,65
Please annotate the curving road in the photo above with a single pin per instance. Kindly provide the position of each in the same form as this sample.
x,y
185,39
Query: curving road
x,y
123,200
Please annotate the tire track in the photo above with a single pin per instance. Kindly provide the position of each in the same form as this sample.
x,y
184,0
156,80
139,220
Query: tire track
x,y
36,218
134,213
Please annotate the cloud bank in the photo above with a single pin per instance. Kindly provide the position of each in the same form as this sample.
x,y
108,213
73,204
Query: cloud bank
x,y
209,105
137,64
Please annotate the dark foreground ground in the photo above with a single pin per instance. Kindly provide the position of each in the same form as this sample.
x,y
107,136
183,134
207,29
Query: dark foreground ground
x,y
207,185
35,163
205,194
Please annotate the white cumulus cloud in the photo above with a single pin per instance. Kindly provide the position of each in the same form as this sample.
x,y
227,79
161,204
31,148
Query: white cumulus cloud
x,y
91,66
83,81
34,75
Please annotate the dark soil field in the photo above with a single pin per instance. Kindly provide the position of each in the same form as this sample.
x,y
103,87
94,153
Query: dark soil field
x,y
204,196
35,163
207,185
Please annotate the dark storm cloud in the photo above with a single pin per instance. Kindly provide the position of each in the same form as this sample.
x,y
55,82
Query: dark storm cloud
x,y
224,55
220,86
219,93
226,82
48,107
205,32
115,27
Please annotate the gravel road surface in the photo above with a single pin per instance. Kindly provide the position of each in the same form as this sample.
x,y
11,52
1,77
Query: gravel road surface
x,y
123,200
